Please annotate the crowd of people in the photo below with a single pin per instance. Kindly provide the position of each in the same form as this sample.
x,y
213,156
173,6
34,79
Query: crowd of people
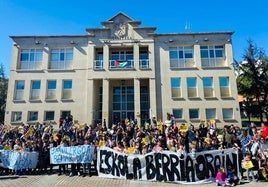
x,y
132,138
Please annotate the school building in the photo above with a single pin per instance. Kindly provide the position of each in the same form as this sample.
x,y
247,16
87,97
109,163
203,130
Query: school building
x,y
123,70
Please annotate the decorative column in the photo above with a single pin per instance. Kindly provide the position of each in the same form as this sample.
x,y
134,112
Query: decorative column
x,y
136,53
106,56
137,104
105,101
152,87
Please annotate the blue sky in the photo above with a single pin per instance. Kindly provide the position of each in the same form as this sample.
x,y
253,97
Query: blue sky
x,y
248,19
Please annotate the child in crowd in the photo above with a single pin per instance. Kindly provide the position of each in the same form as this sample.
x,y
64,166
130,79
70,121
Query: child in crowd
x,y
221,177
232,178
249,169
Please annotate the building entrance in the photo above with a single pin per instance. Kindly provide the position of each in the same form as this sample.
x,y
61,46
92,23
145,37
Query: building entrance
x,y
123,103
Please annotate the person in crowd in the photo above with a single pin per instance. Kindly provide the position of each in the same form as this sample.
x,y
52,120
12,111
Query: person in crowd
x,y
158,147
245,142
63,167
232,178
249,170
75,167
221,177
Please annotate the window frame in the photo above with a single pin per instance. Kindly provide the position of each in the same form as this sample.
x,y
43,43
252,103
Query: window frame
x,y
190,87
175,88
67,86
33,59
178,57
61,58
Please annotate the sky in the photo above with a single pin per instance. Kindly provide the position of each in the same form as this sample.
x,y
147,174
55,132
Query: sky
x,y
246,18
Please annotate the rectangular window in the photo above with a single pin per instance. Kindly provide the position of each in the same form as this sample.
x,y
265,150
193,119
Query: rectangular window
x,y
208,86
51,89
227,113
65,113
49,115
98,63
31,59
181,57
67,89
177,113
210,113
191,87
212,56
194,113
224,86
32,116
175,87
19,90
144,58
61,58
16,116
35,90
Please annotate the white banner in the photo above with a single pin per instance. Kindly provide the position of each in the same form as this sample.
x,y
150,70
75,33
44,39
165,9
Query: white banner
x,y
166,166
18,160
73,154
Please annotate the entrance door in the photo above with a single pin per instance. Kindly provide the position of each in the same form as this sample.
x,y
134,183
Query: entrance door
x,y
123,103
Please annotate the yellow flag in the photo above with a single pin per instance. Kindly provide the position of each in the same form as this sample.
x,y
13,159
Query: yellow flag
x,y
130,150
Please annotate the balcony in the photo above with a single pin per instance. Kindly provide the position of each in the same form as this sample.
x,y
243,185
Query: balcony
x,y
117,64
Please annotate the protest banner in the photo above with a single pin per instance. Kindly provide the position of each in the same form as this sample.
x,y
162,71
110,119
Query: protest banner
x,y
18,160
73,154
165,166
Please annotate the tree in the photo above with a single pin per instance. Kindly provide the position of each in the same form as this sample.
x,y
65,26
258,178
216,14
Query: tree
x,y
3,93
252,80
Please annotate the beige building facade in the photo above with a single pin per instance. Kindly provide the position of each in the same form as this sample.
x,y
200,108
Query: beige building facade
x,y
120,71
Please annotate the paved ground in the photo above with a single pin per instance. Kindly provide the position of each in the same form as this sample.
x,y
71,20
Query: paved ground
x,y
66,181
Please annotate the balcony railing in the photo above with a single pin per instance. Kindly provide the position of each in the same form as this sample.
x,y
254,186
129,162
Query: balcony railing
x,y
116,64
98,64
144,64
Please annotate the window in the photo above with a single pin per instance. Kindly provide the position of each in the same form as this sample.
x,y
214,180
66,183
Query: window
x,y
144,58
194,113
175,87
32,116
98,63
208,86
35,90
181,57
224,86
65,113
51,89
49,115
16,116
212,56
177,113
31,59
227,113
19,90
61,58
191,87
210,113
67,89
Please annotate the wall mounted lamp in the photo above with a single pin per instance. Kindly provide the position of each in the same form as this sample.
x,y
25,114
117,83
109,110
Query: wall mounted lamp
x,y
37,42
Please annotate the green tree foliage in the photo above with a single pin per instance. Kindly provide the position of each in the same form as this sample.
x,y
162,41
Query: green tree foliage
x,y
3,93
252,80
